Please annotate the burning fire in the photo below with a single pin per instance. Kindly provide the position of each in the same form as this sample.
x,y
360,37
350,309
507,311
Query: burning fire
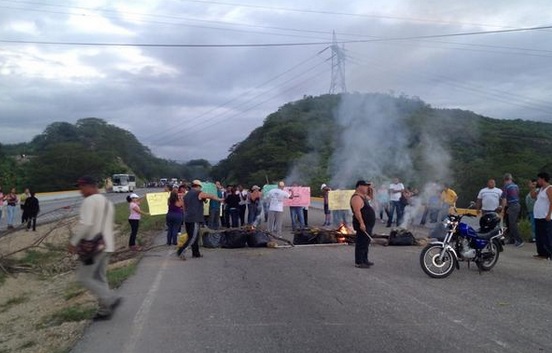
x,y
342,231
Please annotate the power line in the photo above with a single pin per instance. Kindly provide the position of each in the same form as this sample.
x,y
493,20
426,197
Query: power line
x,y
246,93
258,45
219,117
334,13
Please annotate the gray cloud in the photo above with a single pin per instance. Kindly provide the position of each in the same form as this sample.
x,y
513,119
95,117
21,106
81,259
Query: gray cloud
x,y
171,98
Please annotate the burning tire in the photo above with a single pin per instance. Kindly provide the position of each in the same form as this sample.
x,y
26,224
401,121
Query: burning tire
x,y
431,263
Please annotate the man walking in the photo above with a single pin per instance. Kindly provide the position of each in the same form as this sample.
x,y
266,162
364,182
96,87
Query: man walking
x,y
193,217
488,199
543,213
364,219
96,217
510,202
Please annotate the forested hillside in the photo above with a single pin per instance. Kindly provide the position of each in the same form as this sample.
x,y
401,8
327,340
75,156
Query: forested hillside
x,y
56,158
338,139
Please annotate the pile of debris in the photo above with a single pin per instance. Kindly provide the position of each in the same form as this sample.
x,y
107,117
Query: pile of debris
x,y
314,235
235,238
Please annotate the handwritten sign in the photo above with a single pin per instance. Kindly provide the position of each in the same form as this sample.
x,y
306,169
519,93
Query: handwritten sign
x,y
301,196
340,199
157,203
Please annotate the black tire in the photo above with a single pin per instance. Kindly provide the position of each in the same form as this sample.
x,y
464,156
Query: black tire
x,y
490,254
429,260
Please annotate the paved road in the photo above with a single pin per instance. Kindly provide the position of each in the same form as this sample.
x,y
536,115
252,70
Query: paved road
x,y
312,299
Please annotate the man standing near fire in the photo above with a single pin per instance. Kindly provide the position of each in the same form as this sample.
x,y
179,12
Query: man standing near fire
x,y
364,219
395,191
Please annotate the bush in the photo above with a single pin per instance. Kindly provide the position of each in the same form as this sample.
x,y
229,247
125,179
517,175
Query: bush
x,y
525,229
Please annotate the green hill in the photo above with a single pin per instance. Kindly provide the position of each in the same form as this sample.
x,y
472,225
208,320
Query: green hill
x,y
337,139
56,158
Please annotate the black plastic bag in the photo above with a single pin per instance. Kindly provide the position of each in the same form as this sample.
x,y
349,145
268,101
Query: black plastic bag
x,y
233,239
257,239
305,237
401,237
211,240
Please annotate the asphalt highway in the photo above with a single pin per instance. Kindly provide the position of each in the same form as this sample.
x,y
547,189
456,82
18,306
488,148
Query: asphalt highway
x,y
312,299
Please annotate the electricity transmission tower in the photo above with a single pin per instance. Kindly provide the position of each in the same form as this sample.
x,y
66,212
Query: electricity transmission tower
x,y
337,84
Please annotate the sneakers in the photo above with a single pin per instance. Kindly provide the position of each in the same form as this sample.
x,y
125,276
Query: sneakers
x,y
519,244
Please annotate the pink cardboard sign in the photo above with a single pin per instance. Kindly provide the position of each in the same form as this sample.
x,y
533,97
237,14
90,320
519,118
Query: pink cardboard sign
x,y
301,196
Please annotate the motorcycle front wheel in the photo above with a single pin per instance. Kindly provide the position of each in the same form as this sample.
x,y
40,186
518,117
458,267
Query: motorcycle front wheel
x,y
432,265
489,257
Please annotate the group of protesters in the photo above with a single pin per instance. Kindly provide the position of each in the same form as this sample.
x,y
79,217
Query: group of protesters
x,y
28,205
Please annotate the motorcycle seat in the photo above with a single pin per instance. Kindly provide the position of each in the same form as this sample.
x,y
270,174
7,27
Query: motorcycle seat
x,y
488,235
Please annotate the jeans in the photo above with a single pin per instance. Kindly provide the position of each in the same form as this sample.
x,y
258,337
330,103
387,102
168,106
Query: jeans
x,y
513,215
395,207
297,217
134,223
10,210
532,221
234,214
214,218
174,225
254,212
242,210
543,237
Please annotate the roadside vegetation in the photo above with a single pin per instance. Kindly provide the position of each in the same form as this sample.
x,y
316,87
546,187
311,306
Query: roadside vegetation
x,y
40,301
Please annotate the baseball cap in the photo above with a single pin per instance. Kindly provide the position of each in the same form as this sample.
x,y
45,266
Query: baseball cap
x,y
86,180
362,183
255,187
323,186
134,196
196,182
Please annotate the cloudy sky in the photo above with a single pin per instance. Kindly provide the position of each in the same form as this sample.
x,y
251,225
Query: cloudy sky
x,y
190,78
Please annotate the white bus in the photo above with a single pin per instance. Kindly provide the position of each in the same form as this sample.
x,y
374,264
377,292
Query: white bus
x,y
123,182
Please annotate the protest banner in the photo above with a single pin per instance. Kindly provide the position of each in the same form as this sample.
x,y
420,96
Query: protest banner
x,y
340,199
301,196
157,203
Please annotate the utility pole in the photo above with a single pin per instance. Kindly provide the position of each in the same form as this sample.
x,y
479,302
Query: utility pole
x,y
337,84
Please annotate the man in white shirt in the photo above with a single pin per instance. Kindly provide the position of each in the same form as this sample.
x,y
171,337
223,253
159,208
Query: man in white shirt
x,y
276,199
395,191
95,217
488,199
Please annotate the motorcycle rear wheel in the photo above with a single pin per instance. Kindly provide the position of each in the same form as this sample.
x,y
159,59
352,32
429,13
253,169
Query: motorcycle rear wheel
x,y
432,266
489,262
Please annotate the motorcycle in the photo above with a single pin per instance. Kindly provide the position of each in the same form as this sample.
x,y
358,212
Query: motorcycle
x,y
463,243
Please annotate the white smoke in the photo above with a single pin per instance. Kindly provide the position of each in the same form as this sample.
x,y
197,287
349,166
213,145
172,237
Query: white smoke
x,y
377,142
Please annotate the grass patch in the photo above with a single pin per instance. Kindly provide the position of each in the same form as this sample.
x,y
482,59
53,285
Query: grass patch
x,y
28,344
69,314
73,290
13,302
3,277
525,229
36,257
147,223
117,276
